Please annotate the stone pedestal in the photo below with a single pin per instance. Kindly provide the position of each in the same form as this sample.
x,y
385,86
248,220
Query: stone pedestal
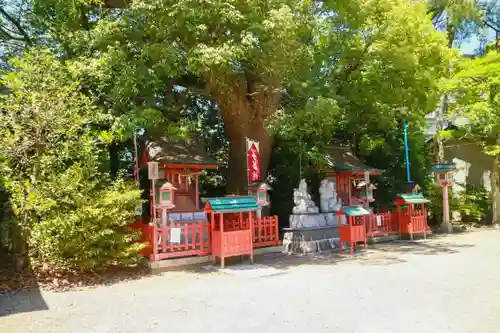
x,y
310,221
311,231
305,241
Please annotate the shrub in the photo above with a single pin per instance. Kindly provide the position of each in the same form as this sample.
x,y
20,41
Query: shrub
x,y
68,211
474,205
435,207
86,226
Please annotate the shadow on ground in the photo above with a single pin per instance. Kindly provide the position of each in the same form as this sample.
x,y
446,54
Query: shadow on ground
x,y
422,247
11,301
379,255
22,301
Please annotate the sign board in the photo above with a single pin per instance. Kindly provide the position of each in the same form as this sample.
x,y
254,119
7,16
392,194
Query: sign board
x,y
379,220
152,170
367,177
253,161
138,210
175,235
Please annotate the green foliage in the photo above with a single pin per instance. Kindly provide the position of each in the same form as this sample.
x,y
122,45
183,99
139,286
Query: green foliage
x,y
83,222
386,152
70,214
474,205
475,87
434,193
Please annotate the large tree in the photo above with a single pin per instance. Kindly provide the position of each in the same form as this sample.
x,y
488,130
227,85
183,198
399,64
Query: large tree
x,y
476,87
251,58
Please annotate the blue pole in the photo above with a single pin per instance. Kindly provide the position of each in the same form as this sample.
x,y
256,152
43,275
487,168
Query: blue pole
x,y
406,153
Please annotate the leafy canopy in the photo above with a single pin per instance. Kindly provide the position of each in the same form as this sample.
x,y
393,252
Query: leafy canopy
x,y
476,89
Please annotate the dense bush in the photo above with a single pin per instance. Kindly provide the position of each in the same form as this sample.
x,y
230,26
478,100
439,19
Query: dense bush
x,y
68,212
435,207
474,205
86,228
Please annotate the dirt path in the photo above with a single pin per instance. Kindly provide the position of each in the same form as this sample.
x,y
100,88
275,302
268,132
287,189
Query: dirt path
x,y
443,285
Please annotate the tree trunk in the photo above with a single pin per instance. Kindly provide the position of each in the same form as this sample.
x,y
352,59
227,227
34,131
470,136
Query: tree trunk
x,y
495,187
438,140
441,114
245,108
114,160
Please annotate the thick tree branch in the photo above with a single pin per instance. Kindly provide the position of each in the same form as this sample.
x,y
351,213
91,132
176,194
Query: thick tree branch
x,y
489,25
26,38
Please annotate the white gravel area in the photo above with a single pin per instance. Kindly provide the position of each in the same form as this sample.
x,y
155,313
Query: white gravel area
x,y
449,284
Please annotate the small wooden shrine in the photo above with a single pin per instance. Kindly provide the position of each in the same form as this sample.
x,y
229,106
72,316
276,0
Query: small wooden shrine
x,y
354,187
231,225
351,175
411,214
180,163
174,222
354,231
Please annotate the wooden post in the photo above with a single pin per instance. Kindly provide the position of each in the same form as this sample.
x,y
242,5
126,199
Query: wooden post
x,y
277,229
250,222
197,199
212,228
366,204
410,220
221,227
398,209
349,190
446,210
154,241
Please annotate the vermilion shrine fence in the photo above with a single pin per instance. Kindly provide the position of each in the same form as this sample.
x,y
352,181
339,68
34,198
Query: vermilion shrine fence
x,y
194,238
382,223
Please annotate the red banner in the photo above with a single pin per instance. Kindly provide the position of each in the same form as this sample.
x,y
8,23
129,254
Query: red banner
x,y
253,160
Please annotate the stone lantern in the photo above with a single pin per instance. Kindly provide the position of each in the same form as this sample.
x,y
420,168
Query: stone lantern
x,y
444,177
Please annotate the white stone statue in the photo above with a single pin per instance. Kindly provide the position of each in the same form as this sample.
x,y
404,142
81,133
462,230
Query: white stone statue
x,y
329,201
302,200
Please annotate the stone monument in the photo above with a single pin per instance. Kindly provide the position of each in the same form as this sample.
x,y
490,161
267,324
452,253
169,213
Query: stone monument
x,y
311,230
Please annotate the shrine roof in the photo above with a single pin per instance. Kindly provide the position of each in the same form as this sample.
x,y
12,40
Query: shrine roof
x,y
355,211
232,204
179,152
438,168
343,159
413,198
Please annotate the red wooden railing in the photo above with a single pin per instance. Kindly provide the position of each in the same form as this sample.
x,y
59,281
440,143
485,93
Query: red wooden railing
x,y
194,239
382,223
195,236
265,230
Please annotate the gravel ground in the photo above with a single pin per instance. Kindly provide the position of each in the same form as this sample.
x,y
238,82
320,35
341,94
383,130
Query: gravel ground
x,y
443,285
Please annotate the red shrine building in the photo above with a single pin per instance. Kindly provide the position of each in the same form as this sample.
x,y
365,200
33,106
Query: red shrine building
x,y
186,225
355,188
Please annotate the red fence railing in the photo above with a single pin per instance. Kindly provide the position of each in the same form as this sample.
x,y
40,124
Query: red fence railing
x,y
382,223
192,237
266,232
177,239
